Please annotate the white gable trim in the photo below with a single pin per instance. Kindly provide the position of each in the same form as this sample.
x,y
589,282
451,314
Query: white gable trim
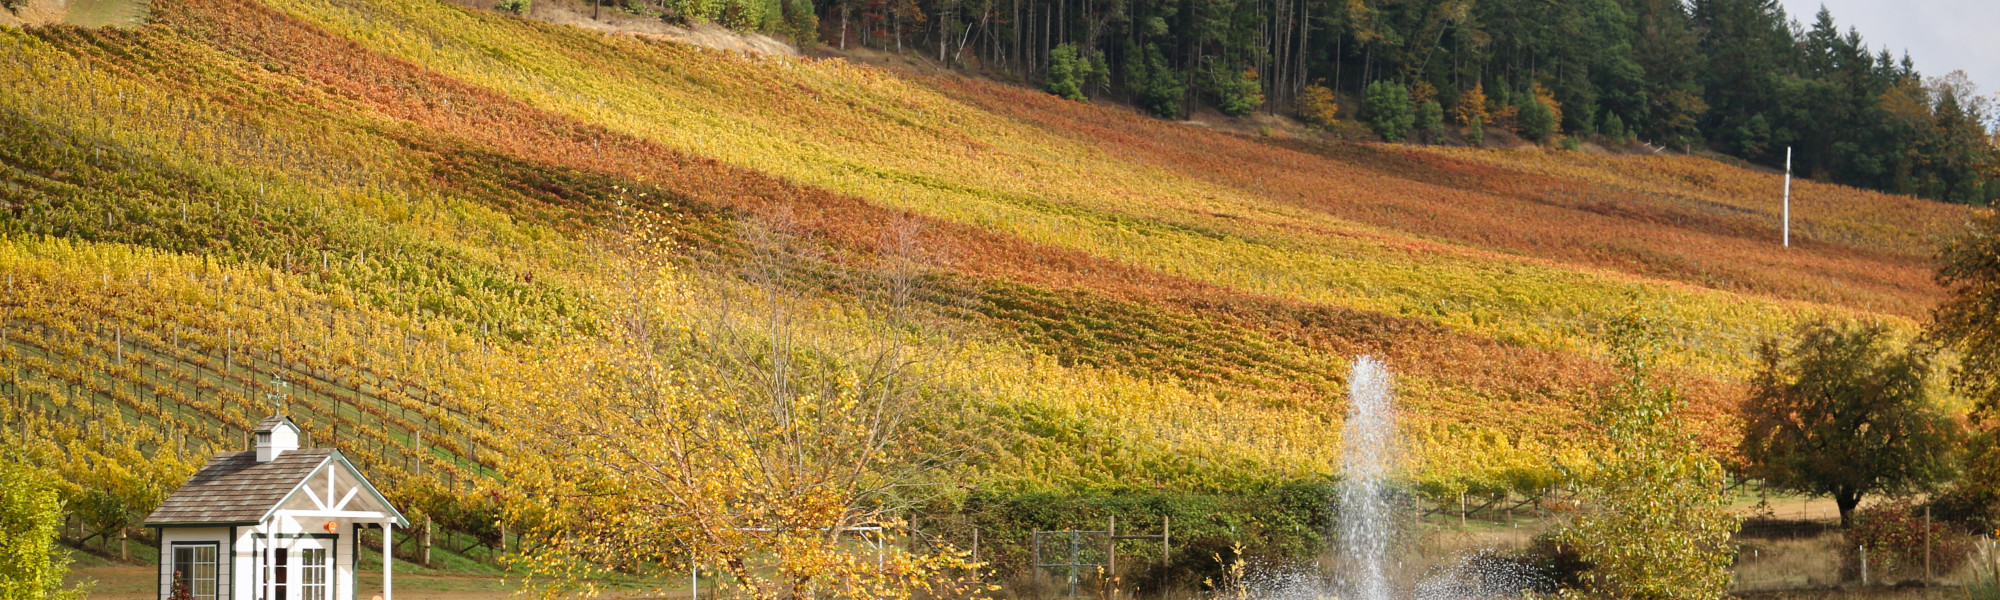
x,y
334,514
336,511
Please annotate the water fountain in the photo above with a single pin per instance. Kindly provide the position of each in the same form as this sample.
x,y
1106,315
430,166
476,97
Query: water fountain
x,y
1365,565
1368,454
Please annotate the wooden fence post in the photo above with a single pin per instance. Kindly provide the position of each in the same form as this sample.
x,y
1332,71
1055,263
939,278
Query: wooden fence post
x,y
426,542
1111,554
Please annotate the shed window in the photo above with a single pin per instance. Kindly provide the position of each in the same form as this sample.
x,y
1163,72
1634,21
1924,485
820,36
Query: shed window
x,y
194,571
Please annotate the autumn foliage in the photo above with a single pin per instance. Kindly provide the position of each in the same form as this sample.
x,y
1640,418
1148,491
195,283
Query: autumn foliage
x,y
393,213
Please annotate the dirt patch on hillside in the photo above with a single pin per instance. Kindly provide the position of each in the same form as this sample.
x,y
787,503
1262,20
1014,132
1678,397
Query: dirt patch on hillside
x,y
613,20
82,13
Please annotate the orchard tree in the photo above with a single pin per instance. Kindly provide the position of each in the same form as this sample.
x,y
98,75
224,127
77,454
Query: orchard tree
x,y
1839,411
31,514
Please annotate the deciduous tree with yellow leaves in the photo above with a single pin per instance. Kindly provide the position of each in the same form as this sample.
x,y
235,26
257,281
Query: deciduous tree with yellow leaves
x,y
735,423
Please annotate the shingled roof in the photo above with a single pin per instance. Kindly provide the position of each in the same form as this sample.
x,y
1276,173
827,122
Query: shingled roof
x,y
234,488
272,422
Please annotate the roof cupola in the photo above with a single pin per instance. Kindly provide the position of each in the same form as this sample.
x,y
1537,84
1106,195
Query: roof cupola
x,y
276,435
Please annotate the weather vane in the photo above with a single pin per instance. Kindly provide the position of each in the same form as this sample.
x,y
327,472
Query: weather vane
x,y
279,395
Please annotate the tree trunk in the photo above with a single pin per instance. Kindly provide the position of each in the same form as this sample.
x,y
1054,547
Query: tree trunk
x,y
1846,500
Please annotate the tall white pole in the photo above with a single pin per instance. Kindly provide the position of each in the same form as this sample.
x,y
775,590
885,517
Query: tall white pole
x,y
388,558
1788,196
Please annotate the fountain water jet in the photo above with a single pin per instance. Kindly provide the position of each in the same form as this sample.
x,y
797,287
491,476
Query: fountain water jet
x,y
1364,567
1368,453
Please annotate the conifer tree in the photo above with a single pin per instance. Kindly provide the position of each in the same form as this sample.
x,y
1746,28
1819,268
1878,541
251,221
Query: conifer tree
x,y
1386,108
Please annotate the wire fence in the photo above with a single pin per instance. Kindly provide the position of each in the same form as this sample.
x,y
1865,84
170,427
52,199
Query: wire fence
x,y
1810,555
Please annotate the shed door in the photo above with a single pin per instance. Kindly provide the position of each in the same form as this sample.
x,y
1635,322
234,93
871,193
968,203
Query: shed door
x,y
315,574
299,569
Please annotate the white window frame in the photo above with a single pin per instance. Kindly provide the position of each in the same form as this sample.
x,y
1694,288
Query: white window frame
x,y
309,568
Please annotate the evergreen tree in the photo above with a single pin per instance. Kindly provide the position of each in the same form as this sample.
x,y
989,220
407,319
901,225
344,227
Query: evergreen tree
x,y
1239,91
1430,120
1067,73
1386,109
1538,123
1733,76
1614,128
1158,86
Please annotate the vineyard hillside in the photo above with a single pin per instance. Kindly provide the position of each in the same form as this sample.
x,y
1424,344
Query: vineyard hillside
x,y
365,213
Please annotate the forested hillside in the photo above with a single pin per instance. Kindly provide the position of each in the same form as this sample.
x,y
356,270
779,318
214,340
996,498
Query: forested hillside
x,y
389,217
1738,76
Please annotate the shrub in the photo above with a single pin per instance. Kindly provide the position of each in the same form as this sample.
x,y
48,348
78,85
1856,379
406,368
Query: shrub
x,y
519,7
1067,71
1475,131
1316,105
1895,534
1287,521
1240,92
1386,107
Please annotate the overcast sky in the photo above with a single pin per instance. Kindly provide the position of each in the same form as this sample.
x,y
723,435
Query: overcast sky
x,y
1941,35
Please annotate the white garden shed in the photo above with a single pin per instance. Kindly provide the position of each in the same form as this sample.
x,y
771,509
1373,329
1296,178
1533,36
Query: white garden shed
x,y
274,523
